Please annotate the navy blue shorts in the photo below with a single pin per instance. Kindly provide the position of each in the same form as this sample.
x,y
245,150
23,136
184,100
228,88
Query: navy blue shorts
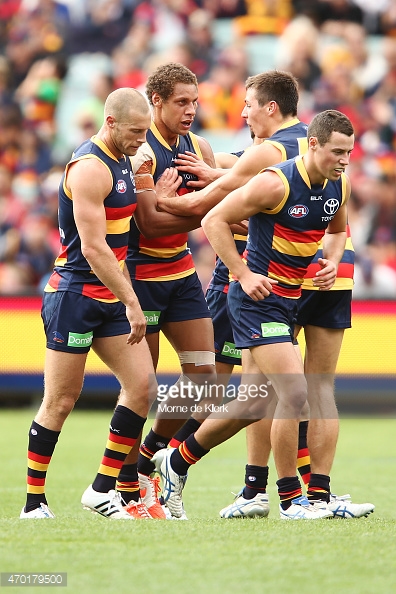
x,y
171,301
225,349
326,309
268,321
72,321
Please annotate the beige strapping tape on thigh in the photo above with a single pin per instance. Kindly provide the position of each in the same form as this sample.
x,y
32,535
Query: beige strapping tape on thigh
x,y
197,357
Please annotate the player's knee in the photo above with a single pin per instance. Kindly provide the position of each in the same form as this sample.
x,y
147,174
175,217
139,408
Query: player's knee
x,y
61,406
200,365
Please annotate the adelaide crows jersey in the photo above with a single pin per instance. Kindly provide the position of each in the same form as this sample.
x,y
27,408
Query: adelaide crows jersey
x,y
71,270
344,280
163,258
283,241
291,140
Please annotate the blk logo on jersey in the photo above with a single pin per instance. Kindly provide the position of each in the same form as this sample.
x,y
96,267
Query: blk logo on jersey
x,y
121,186
298,211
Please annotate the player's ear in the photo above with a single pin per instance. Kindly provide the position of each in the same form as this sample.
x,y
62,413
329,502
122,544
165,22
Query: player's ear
x,y
312,142
156,99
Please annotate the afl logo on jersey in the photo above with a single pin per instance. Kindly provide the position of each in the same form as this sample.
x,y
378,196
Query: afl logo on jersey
x,y
298,211
121,186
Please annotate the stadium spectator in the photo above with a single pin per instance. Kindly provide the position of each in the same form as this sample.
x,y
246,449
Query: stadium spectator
x,y
201,43
268,17
39,92
128,40
222,94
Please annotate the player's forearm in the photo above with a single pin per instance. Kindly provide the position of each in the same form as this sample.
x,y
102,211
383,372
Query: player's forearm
x,y
334,246
222,241
106,267
161,224
198,203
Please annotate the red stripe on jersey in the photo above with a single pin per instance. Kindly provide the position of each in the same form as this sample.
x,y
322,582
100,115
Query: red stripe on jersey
x,y
128,441
120,252
345,270
39,458
286,272
97,292
158,269
298,236
113,214
54,280
62,253
170,241
282,292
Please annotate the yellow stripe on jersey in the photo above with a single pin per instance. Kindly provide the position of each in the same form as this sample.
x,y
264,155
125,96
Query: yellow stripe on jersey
x,y
302,146
280,148
340,284
286,280
162,252
118,447
104,148
85,157
196,146
169,277
159,137
289,124
349,244
293,248
344,187
60,261
49,289
286,194
302,171
117,227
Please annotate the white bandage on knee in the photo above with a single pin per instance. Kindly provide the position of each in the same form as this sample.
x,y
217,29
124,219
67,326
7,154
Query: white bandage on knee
x,y
197,357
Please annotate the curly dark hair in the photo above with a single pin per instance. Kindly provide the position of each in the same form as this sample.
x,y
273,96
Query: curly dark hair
x,y
165,77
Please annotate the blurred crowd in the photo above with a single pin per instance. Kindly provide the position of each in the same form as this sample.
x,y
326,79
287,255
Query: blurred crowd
x,y
60,59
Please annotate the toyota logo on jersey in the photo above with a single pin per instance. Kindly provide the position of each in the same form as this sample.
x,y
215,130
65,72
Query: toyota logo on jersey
x,y
331,206
298,211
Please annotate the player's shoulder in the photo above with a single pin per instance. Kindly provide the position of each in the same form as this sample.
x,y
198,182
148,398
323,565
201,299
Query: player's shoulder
x,y
144,157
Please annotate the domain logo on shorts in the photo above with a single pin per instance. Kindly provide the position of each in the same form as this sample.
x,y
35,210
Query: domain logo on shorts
x,y
80,340
274,329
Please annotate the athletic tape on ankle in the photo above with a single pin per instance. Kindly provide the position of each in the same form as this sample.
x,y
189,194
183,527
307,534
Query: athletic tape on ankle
x,y
197,357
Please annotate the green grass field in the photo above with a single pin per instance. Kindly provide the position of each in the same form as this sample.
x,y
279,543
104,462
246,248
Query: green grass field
x,y
206,554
